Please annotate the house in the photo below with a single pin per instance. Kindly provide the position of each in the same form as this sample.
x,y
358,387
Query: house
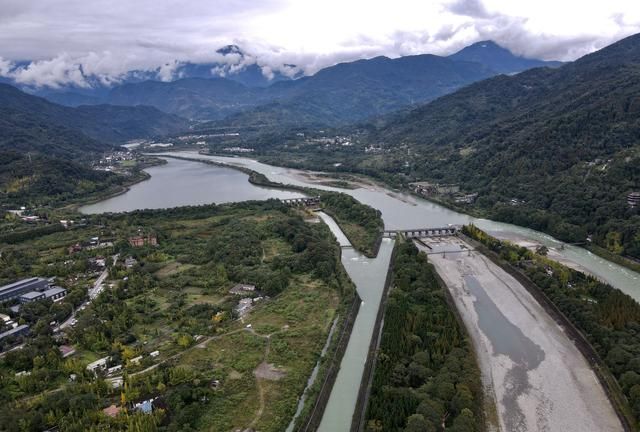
x,y
114,369
74,248
130,262
242,289
140,240
21,330
100,364
66,350
135,360
155,354
112,410
633,199
244,306
145,406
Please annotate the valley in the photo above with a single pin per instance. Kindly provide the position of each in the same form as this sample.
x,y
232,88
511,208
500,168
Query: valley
x,y
381,230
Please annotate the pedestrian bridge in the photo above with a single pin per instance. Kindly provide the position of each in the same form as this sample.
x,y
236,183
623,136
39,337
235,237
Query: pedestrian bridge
x,y
451,230
302,202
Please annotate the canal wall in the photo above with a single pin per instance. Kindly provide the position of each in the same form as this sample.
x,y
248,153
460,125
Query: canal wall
x,y
313,419
608,382
359,419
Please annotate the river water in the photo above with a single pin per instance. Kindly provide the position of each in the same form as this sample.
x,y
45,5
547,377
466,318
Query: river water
x,y
181,183
403,211
369,276
185,182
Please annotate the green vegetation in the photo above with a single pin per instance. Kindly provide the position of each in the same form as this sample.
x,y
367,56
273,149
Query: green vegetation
x,y
360,223
212,372
426,376
608,318
39,180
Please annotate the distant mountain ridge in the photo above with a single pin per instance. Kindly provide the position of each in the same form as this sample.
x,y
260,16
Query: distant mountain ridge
x,y
32,124
339,94
554,149
499,59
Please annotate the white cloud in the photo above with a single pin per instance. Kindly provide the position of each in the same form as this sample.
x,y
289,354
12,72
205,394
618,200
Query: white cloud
x,y
77,41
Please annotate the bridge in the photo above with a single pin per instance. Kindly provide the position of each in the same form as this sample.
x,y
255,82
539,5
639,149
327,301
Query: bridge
x,y
302,202
451,230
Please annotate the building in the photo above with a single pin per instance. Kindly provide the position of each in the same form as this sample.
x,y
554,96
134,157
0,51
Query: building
x,y
139,240
100,364
244,306
21,330
242,289
112,411
66,350
54,294
633,199
31,296
16,289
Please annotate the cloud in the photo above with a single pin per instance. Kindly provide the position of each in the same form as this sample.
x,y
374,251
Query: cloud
x,y
79,42
470,8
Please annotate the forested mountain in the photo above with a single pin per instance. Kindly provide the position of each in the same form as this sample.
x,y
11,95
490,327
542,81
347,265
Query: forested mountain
x,y
499,59
33,121
563,143
335,95
190,97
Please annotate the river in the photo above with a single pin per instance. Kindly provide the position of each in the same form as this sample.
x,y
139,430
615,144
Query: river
x,y
403,211
181,183
399,211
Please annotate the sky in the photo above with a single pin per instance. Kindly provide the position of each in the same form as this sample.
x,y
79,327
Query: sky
x,y
67,41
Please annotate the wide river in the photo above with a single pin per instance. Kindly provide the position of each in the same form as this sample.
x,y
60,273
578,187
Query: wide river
x,y
189,183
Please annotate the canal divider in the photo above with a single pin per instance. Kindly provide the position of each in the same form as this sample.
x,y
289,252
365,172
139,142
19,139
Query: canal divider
x,y
359,419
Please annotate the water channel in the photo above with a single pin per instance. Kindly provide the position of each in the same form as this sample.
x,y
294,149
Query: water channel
x,y
184,183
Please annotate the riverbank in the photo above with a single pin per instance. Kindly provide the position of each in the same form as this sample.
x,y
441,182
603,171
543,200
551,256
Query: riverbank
x,y
539,379
556,302
139,177
360,223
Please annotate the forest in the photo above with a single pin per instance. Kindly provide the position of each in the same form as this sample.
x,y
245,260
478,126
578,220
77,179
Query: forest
x,y
170,298
608,318
426,377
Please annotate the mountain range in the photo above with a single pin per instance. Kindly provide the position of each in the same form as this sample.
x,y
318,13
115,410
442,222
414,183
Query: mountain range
x,y
554,149
338,94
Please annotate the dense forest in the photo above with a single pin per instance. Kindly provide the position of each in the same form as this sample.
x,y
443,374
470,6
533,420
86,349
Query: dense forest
x,y
38,180
169,297
361,223
553,149
426,377
608,318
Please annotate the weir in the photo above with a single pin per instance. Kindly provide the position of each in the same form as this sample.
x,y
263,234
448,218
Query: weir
x,y
451,230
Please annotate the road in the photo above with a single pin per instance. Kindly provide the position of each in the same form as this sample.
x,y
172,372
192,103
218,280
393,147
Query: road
x,y
94,291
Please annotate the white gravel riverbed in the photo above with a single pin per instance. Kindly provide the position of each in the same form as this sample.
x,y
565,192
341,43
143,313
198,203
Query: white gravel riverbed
x,y
537,377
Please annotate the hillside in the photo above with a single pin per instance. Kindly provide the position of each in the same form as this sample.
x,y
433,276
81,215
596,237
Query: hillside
x,y
562,142
336,95
499,59
114,124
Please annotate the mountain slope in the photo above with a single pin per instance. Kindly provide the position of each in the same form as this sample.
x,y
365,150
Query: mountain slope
x,y
499,59
564,143
189,97
26,115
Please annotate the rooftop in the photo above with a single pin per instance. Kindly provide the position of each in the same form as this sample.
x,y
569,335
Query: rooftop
x,y
18,329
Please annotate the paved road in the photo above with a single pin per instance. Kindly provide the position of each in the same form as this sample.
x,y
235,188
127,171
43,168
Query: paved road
x,y
94,291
